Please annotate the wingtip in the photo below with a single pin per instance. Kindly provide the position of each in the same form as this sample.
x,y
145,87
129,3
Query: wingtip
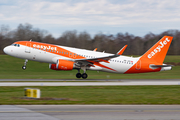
x,y
122,50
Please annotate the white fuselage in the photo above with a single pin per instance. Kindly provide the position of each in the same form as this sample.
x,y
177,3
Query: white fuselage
x,y
119,64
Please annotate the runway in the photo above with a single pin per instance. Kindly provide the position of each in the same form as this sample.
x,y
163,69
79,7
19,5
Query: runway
x,y
90,112
86,82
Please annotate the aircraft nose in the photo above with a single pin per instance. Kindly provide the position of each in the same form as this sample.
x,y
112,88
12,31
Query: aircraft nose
x,y
6,50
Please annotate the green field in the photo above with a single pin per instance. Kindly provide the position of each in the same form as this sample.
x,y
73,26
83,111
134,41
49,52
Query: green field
x,y
94,95
10,68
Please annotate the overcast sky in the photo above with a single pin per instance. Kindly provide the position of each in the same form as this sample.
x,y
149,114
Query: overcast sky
x,y
137,17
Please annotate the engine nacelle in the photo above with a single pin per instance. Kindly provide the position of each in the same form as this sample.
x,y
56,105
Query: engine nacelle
x,y
62,65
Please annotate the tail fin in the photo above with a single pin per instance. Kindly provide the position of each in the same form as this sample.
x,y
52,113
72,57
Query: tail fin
x,y
158,52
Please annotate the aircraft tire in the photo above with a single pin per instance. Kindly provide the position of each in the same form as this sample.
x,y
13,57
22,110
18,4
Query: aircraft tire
x,y
84,75
78,75
23,67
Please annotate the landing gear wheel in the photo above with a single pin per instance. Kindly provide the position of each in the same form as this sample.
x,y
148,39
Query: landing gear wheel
x,y
23,67
84,75
25,63
78,75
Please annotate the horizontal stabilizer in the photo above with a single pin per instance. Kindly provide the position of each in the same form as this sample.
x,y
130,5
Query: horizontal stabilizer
x,y
162,65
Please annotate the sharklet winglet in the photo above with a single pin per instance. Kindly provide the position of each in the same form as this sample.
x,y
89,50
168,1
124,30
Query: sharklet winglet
x,y
120,52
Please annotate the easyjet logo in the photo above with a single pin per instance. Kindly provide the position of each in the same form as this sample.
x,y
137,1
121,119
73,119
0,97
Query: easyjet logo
x,y
158,48
44,47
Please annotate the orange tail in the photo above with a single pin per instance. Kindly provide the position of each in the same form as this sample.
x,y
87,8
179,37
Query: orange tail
x,y
152,60
158,52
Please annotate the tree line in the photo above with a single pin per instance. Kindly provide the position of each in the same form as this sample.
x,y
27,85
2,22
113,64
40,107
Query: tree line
x,y
108,43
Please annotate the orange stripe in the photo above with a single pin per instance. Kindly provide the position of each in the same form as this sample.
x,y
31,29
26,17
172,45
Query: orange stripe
x,y
51,49
100,65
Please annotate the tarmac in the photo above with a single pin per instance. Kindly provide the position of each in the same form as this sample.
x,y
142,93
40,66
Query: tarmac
x,y
89,112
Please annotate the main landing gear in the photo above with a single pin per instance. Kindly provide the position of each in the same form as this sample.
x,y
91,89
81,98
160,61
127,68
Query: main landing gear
x,y
84,75
25,63
79,75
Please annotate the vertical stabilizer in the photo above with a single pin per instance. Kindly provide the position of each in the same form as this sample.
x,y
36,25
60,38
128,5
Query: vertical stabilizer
x,y
158,52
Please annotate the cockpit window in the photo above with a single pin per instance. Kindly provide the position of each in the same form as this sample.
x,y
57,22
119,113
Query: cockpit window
x,y
17,45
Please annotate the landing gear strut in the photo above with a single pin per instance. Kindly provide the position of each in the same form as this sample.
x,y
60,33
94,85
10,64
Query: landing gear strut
x,y
25,63
84,75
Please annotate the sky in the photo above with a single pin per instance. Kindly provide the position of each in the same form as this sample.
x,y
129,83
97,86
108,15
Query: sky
x,y
137,17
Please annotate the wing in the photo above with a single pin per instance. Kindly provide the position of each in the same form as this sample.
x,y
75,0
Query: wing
x,y
106,59
100,59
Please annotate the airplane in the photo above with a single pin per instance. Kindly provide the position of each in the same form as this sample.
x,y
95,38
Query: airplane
x,y
69,58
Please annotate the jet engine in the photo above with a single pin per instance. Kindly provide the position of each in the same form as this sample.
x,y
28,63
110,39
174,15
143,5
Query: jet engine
x,y
62,65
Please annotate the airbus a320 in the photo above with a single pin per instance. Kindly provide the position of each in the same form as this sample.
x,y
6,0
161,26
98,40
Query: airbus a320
x,y
69,58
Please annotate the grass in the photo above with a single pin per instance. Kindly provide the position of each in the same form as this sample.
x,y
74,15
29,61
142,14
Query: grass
x,y
10,68
95,95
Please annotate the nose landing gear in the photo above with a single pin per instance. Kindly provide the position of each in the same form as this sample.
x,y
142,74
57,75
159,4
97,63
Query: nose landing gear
x,y
25,63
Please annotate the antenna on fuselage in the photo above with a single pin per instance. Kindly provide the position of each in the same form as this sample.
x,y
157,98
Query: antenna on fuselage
x,y
30,40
